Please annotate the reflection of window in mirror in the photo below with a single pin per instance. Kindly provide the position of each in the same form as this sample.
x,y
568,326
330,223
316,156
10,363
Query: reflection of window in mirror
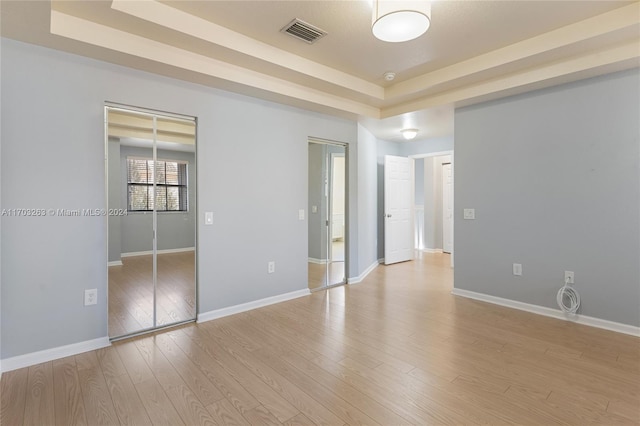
x,y
171,185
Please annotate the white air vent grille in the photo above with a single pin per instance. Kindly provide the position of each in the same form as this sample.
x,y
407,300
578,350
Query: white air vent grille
x,y
303,31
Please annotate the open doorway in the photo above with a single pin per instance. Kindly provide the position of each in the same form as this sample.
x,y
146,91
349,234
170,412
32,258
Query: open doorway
x,y
327,214
434,203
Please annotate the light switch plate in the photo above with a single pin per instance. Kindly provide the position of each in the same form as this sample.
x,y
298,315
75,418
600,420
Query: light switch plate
x,y
208,218
469,214
301,214
517,269
90,297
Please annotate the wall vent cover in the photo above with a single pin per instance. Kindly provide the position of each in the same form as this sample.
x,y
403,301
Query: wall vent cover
x,y
303,31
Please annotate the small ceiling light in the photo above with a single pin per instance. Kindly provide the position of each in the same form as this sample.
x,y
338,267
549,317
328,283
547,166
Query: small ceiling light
x,y
409,134
389,75
400,20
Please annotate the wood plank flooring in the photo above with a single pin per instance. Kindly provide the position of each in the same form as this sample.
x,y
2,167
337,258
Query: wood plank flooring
x,y
131,292
396,349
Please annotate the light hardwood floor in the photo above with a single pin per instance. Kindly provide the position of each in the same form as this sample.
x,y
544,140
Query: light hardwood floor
x,y
396,349
131,292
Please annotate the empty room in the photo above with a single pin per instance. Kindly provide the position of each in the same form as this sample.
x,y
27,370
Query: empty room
x,y
379,212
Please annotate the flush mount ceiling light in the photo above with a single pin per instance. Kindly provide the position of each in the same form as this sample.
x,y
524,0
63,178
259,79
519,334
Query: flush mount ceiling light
x,y
400,20
409,134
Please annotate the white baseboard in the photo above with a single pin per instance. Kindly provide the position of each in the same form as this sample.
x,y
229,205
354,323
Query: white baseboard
x,y
363,275
165,251
317,261
46,355
243,307
549,312
115,263
431,250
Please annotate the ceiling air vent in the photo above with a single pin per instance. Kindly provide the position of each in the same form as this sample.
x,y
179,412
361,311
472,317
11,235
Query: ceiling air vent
x,y
303,31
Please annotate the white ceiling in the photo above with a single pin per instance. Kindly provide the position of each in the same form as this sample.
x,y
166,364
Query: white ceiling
x,y
473,51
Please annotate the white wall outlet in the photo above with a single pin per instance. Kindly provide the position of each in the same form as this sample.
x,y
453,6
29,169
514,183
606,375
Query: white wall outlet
x,y
314,209
469,214
517,269
271,267
91,297
569,277
301,214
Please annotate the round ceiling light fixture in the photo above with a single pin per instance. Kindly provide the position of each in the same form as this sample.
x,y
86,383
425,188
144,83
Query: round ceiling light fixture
x,y
389,75
400,20
409,134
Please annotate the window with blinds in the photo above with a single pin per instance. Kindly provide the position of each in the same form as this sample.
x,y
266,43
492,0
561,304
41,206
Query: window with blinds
x,y
171,185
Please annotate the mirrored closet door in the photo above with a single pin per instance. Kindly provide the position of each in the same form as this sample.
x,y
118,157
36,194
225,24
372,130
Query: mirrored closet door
x,y
327,214
151,176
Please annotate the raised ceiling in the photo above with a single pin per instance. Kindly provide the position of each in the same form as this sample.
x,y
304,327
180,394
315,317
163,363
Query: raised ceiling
x,y
473,51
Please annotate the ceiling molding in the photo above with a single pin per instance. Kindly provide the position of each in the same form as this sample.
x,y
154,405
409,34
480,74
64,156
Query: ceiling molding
x,y
616,20
613,59
104,36
177,20
603,43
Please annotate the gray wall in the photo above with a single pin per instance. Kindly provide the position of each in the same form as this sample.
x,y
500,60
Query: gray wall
x,y
367,199
418,197
175,230
425,146
317,231
252,175
554,178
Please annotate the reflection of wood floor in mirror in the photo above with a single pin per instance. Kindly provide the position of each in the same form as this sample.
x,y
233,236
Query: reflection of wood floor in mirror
x,y
131,292
318,274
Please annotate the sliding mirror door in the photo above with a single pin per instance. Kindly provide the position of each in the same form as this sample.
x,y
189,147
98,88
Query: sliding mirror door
x,y
327,214
151,200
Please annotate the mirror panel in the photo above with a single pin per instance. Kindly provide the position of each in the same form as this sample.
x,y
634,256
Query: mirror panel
x,y
327,214
151,181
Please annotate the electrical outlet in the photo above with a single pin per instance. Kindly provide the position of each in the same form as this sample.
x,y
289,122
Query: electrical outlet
x,y
271,267
517,269
91,297
569,277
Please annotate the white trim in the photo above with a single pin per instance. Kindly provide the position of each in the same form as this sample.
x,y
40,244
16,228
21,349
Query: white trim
x,y
317,261
363,275
46,355
165,251
115,263
431,154
549,312
431,250
243,307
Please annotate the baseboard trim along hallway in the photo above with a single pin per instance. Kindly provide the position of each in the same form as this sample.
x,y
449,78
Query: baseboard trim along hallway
x,y
243,307
33,358
549,312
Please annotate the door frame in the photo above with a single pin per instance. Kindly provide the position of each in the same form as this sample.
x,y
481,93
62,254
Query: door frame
x,y
108,105
438,154
347,240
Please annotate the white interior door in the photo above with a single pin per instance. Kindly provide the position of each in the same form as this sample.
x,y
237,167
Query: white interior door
x,y
447,208
398,208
